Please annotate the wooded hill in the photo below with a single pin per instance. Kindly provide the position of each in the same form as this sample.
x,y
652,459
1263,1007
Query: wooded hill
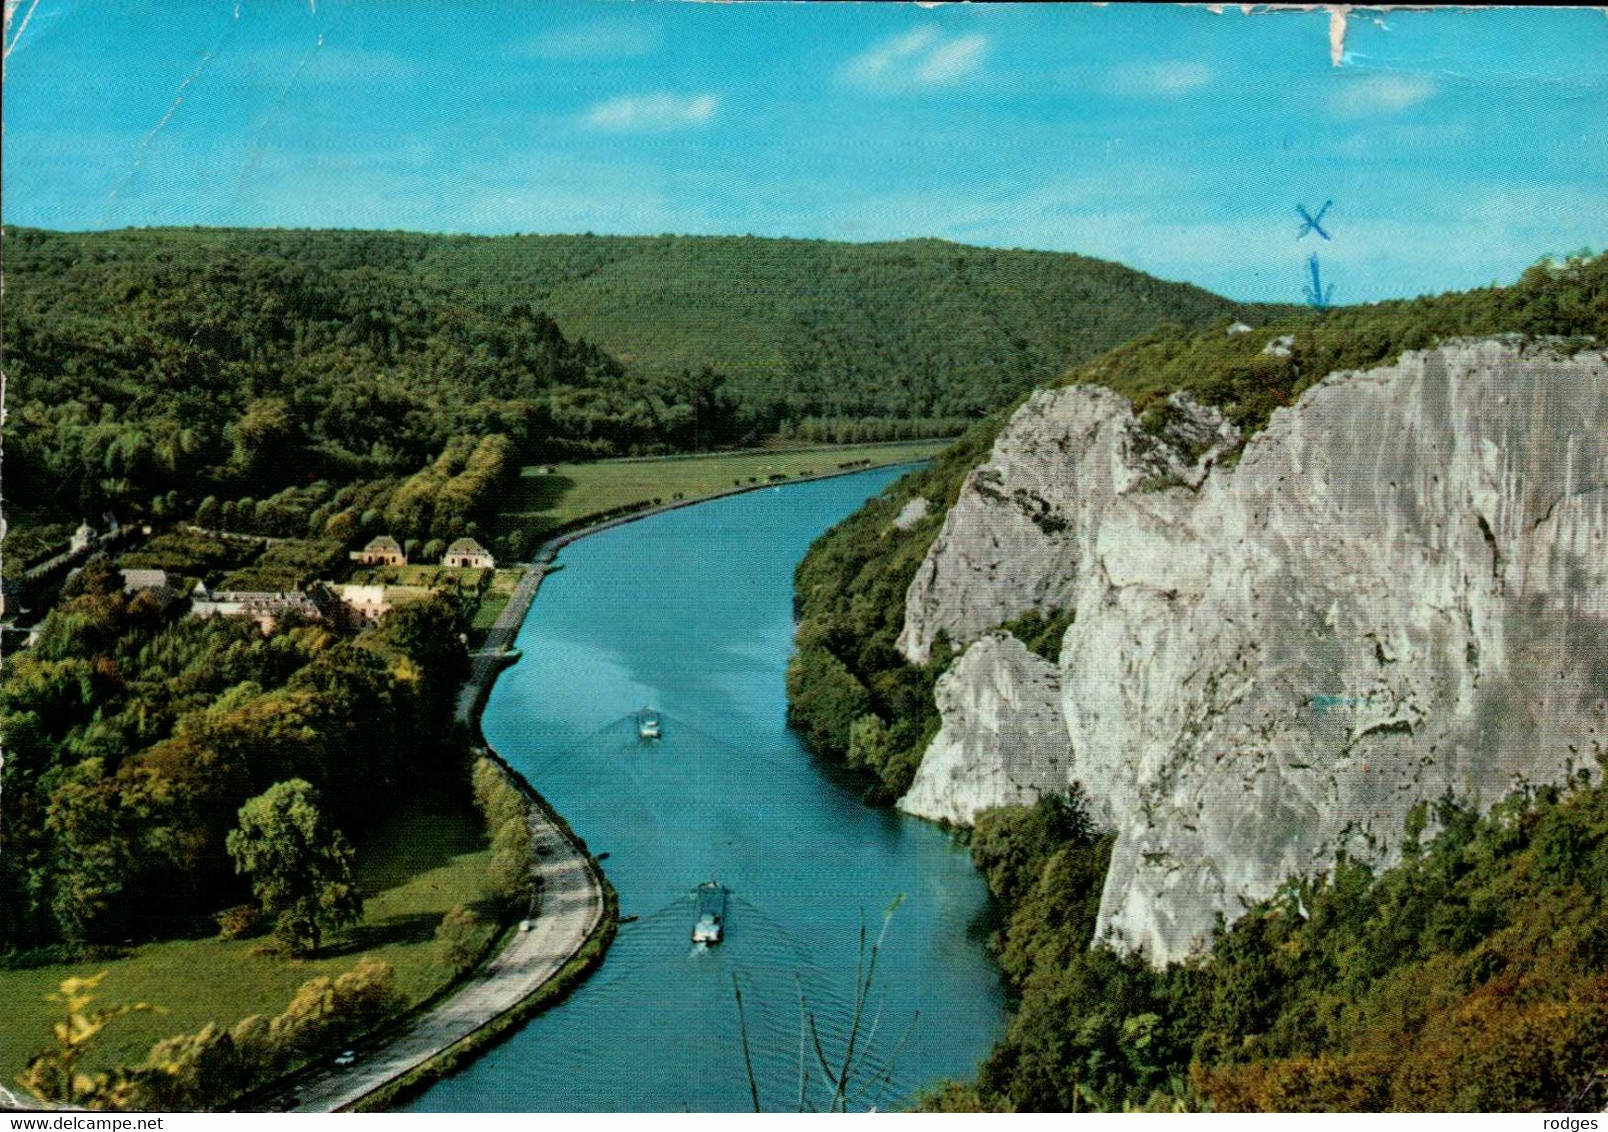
x,y
145,364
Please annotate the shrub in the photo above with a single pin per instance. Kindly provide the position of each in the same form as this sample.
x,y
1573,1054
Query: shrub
x,y
240,922
455,938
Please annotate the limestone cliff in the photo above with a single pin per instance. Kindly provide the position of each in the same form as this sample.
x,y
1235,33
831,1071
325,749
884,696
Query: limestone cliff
x,y
1399,590
1003,741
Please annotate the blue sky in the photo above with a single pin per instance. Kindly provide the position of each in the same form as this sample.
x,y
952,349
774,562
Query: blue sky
x,y
1458,146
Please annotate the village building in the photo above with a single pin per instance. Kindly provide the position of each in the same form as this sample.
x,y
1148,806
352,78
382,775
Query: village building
x,y
136,580
381,551
468,552
368,602
266,608
149,581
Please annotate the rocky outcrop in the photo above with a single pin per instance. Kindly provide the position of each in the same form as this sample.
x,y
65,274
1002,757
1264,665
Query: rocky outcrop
x,y
911,513
1399,591
1020,537
1003,740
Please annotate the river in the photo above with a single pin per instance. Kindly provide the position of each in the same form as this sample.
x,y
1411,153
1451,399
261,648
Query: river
x,y
691,612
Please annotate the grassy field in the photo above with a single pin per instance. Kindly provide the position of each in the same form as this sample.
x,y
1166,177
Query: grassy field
x,y
494,599
421,574
416,866
545,499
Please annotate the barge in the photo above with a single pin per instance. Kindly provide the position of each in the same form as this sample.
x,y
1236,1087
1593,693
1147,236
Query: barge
x,y
710,927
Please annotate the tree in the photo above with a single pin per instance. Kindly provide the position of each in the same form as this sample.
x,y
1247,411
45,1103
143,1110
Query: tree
x,y
208,513
455,938
868,743
115,839
1010,844
266,437
301,869
824,699
507,813
342,526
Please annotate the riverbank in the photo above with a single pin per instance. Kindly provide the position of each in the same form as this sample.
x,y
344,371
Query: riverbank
x,y
692,614
549,549
536,969
548,500
578,918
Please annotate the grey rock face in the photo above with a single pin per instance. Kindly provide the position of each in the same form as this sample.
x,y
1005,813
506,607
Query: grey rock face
x,y
1003,741
911,513
1400,590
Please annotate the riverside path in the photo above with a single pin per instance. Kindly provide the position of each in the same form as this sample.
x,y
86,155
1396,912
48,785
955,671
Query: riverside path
x,y
572,907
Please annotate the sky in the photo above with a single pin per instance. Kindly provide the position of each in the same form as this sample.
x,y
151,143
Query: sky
x,y
1458,147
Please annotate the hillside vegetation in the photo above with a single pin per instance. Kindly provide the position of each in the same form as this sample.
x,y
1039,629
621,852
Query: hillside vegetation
x,y
151,369
918,328
850,692
1250,374
1472,976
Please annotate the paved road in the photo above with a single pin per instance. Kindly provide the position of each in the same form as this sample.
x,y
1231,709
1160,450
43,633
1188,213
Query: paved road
x,y
571,910
571,888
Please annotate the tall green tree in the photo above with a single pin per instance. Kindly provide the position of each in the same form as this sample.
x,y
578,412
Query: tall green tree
x,y
300,867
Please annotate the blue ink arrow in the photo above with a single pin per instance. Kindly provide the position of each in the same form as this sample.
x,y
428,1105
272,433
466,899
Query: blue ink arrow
x,y
1310,223
1317,295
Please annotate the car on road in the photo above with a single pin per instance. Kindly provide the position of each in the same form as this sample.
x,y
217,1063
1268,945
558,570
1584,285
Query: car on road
x,y
348,1057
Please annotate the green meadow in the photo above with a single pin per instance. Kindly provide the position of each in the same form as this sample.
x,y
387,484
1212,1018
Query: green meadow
x,y
548,496
415,866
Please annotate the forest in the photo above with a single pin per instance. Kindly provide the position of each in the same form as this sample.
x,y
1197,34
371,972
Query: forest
x,y
134,737
151,370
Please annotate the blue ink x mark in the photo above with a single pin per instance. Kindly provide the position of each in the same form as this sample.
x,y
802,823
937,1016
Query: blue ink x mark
x,y
1312,223
1317,295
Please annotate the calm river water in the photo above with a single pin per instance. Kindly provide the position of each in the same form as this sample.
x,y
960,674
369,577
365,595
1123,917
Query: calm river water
x,y
691,612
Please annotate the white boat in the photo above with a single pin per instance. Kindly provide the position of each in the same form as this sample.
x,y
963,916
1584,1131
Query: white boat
x,y
710,927
648,724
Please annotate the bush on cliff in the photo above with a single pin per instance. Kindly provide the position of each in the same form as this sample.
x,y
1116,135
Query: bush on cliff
x,y
1248,377
1473,975
849,593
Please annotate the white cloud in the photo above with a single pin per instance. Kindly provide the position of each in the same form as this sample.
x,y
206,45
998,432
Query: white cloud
x,y
598,41
920,57
658,111
1380,94
1163,79
953,60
